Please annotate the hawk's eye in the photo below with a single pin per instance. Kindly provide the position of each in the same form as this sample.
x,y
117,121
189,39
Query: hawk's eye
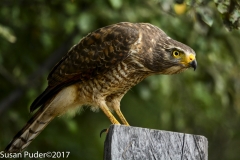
x,y
176,53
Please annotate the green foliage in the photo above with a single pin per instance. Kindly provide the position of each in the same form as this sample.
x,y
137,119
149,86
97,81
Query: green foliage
x,y
205,102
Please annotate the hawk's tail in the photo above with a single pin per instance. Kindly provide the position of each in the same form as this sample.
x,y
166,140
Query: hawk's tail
x,y
30,131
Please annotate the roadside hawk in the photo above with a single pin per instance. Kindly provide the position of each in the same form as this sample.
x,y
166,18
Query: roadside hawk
x,y
100,69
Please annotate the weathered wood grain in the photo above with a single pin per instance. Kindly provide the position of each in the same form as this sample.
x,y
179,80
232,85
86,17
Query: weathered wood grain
x,y
134,143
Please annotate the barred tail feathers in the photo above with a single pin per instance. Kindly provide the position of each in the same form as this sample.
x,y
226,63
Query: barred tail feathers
x,y
65,100
30,131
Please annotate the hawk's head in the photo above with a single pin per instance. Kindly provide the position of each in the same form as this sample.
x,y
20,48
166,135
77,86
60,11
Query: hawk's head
x,y
170,56
177,57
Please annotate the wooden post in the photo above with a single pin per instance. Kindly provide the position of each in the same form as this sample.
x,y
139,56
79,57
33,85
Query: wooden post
x,y
134,143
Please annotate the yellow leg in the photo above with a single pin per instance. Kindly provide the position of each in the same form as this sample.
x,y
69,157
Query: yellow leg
x,y
109,114
121,116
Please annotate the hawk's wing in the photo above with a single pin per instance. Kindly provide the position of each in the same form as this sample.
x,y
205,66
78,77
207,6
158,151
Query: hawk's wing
x,y
93,55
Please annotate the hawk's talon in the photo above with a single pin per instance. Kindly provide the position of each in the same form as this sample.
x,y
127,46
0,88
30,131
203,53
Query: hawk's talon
x,y
104,130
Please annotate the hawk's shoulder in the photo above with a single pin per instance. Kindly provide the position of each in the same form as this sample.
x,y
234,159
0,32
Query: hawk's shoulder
x,y
94,53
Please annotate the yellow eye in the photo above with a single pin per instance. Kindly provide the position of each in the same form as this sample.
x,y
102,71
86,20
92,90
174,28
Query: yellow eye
x,y
176,53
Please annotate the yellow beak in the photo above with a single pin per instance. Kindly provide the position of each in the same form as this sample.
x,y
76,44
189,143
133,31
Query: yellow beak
x,y
190,60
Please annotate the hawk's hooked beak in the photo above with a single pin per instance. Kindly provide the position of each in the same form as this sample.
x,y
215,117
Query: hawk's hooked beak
x,y
193,64
190,61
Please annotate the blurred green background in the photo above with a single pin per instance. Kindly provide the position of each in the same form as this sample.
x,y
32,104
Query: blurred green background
x,y
35,34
